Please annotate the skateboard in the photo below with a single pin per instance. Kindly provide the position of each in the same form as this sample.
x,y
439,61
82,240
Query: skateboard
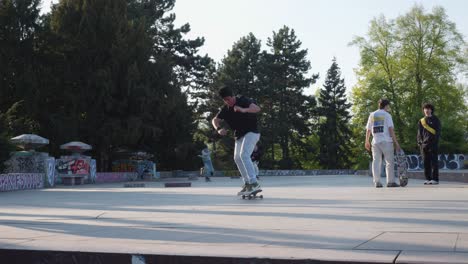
x,y
252,195
401,167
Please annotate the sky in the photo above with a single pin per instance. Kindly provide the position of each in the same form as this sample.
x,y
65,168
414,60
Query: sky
x,y
325,27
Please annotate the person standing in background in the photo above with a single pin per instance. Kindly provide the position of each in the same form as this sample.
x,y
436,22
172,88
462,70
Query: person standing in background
x,y
428,142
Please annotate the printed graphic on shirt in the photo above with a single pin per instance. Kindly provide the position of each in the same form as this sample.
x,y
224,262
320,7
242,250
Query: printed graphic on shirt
x,y
378,123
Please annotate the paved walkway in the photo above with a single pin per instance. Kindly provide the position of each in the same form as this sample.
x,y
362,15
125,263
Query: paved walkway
x,y
329,218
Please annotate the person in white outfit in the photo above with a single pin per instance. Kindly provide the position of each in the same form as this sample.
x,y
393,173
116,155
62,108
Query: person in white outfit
x,y
380,126
240,113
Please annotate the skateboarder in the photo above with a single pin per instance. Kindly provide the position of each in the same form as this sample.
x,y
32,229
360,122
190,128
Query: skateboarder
x,y
240,113
207,164
380,126
428,142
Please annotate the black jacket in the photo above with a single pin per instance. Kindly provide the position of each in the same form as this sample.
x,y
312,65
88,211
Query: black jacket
x,y
425,138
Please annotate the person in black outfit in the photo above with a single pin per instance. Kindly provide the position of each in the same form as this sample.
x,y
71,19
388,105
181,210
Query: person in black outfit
x,y
240,113
428,141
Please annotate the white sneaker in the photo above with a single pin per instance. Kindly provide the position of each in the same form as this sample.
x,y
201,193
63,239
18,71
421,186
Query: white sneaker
x,y
434,182
427,182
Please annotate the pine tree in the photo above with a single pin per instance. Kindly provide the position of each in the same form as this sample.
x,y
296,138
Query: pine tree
x,y
19,22
334,132
5,145
238,70
287,109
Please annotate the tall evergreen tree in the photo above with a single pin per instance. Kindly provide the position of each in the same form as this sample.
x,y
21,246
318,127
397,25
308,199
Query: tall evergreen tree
x,y
110,73
239,70
19,23
287,109
5,144
334,132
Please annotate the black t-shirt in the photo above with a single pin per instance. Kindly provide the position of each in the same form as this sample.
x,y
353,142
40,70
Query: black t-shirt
x,y
241,123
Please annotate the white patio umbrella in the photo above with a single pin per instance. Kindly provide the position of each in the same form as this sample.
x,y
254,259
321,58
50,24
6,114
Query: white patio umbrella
x,y
29,141
76,146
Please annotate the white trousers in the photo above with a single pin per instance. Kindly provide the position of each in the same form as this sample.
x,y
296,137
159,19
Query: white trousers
x,y
243,149
385,149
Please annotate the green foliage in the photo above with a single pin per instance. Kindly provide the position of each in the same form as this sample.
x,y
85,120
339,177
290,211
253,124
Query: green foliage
x,y
334,131
276,79
288,112
411,60
19,22
111,73
16,121
5,146
120,74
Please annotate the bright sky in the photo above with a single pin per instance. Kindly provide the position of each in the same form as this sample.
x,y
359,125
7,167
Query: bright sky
x,y
325,27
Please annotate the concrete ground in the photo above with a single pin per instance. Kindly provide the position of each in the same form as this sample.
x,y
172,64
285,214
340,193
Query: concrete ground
x,y
339,219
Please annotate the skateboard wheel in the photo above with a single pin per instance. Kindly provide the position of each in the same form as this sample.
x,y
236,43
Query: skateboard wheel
x,y
261,196
243,196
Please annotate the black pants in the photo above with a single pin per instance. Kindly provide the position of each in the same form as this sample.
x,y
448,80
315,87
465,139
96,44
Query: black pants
x,y
431,163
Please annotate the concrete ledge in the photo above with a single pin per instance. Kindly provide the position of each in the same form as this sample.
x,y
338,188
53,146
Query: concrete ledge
x,y
177,184
107,177
432,257
65,257
235,173
444,175
134,185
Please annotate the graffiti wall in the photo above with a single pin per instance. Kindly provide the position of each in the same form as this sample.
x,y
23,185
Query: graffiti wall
x,y
26,162
139,166
106,177
50,172
21,181
73,165
124,166
446,162
93,170
145,167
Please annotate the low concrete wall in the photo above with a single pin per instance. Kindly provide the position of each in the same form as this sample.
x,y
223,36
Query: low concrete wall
x,y
107,177
21,181
230,173
60,257
305,172
444,175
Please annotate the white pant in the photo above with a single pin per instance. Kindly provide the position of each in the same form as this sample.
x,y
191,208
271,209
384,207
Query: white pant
x,y
243,149
385,148
255,164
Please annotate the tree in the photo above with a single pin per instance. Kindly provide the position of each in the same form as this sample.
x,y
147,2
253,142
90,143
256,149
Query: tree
x,y
411,60
5,145
239,69
111,73
334,131
19,22
287,110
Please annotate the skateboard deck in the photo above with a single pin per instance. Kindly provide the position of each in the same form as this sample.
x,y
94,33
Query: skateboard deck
x,y
252,195
401,167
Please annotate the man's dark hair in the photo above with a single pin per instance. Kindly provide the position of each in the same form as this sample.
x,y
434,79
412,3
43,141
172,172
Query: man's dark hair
x,y
225,91
383,103
428,106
